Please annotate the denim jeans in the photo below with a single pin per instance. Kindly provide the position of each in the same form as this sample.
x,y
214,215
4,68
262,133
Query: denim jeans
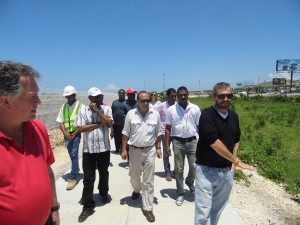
x,y
167,166
73,147
180,151
212,191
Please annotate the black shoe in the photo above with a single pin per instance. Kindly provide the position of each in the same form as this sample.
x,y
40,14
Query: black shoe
x,y
85,214
105,199
191,187
135,196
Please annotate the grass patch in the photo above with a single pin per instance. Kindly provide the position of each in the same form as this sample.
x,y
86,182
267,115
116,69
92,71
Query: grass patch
x,y
270,130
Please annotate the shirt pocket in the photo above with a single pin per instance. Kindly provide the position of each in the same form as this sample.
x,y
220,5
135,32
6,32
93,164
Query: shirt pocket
x,y
151,127
137,125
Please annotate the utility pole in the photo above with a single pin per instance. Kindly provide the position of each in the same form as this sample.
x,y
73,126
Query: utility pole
x,y
164,88
258,85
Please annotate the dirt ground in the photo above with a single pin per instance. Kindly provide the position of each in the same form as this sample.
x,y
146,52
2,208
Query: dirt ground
x,y
260,203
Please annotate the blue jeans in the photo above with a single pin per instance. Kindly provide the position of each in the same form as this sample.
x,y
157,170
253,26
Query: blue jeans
x,y
73,147
167,166
180,151
212,191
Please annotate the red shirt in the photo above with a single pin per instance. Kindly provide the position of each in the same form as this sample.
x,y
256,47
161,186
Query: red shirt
x,y
25,189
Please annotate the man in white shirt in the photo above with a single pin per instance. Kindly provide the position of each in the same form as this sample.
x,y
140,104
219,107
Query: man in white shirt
x,y
142,132
182,122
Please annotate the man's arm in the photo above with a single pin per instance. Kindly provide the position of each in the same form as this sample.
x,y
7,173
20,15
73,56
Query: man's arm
x,y
158,146
222,150
105,119
167,136
124,145
89,127
65,133
55,204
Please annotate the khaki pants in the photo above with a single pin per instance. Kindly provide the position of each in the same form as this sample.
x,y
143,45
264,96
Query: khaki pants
x,y
143,161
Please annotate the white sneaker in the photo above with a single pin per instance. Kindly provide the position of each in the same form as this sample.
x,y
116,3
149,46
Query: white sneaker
x,y
179,200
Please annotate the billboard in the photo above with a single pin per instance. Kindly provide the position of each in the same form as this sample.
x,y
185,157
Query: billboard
x,y
288,65
278,81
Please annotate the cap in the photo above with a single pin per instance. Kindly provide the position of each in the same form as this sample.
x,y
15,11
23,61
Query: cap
x,y
94,91
130,91
69,90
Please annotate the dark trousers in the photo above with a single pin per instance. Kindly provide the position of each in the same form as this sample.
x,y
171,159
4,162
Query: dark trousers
x,y
89,164
118,136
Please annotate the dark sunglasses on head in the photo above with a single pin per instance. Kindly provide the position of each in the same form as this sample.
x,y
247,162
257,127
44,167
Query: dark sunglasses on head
x,y
222,96
145,101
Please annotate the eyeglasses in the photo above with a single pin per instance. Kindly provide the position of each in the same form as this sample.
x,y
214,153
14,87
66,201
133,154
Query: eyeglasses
x,y
222,96
145,101
153,94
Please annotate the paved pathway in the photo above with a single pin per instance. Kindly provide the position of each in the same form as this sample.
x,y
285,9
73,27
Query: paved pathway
x,y
122,210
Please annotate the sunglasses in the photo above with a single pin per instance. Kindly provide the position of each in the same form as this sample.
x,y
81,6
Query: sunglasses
x,y
222,96
145,101
153,94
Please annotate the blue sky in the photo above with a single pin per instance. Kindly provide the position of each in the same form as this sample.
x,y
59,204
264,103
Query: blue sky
x,y
150,44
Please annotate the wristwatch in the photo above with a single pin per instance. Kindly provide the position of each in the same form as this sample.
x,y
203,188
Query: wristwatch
x,y
56,208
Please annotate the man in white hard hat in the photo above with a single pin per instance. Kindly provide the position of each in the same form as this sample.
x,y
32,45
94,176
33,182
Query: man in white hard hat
x,y
66,117
94,121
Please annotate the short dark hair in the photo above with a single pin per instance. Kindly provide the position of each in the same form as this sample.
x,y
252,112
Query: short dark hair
x,y
182,88
121,90
10,73
220,86
141,92
170,91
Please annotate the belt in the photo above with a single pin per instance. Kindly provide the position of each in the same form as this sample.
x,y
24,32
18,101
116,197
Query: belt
x,y
184,140
140,147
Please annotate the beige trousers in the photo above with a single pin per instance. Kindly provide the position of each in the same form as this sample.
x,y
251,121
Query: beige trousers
x,y
143,161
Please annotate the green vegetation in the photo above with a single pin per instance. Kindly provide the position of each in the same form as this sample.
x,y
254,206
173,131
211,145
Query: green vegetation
x,y
270,136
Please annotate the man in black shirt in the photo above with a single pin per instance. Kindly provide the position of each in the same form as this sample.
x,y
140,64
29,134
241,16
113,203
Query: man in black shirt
x,y
216,156
119,113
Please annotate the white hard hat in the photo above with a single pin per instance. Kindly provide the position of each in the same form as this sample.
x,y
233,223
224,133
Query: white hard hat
x,y
94,91
69,90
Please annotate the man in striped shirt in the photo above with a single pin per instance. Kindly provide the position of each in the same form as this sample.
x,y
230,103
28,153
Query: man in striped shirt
x,y
94,120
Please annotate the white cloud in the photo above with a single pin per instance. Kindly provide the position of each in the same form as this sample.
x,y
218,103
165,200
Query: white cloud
x,y
111,87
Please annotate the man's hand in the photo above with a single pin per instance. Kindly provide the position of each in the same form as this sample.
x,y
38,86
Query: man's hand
x,y
69,136
158,152
124,154
93,106
243,166
111,135
169,151
55,218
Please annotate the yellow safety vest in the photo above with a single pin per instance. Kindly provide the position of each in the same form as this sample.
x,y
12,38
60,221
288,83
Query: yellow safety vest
x,y
68,120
